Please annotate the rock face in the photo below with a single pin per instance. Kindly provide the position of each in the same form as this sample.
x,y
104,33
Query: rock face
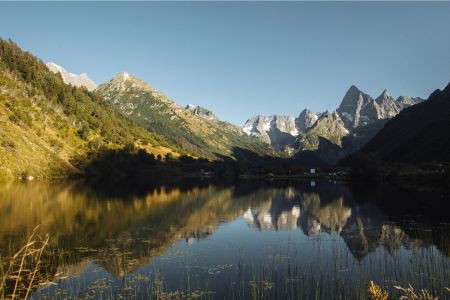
x,y
359,109
279,131
405,101
201,111
81,80
330,136
275,130
356,108
305,120
324,138
417,134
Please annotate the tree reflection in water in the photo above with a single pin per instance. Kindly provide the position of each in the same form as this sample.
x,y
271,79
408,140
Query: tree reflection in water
x,y
283,239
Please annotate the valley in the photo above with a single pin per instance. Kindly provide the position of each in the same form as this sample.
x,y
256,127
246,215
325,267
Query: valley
x,y
224,150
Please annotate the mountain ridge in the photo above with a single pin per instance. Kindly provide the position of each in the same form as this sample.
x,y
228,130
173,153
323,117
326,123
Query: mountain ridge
x,y
197,131
417,134
359,117
81,80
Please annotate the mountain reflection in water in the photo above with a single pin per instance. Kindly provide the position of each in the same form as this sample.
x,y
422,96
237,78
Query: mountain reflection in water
x,y
278,240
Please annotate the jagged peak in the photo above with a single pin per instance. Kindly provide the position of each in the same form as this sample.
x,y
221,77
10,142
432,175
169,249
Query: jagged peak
x,y
124,76
71,78
306,111
384,94
352,95
353,88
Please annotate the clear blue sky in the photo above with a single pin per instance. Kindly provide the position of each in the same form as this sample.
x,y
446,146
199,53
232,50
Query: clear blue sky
x,y
245,58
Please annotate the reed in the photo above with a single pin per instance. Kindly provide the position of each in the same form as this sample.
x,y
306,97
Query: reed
x,y
407,293
21,274
410,294
376,292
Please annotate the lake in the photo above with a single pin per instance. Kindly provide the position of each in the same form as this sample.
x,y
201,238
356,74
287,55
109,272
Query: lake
x,y
259,240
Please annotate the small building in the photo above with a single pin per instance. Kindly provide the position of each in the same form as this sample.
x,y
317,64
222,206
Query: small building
x,y
312,171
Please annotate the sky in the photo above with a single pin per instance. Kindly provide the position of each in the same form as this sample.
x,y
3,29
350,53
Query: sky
x,y
240,59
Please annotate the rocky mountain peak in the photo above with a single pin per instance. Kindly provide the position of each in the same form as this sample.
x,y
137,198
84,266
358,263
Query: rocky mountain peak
x,y
125,81
305,120
358,118
125,76
353,89
406,101
385,94
81,80
354,105
201,111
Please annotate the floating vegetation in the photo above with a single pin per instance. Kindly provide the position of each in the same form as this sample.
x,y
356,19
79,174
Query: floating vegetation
x,y
209,243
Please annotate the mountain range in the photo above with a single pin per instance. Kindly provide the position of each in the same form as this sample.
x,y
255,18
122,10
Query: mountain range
x,y
55,122
81,80
420,133
188,130
331,136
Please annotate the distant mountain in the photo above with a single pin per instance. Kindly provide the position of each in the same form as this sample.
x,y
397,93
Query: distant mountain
x,y
359,109
275,130
328,126
420,133
324,138
51,129
81,80
404,101
330,136
189,130
279,131
201,111
356,108
305,120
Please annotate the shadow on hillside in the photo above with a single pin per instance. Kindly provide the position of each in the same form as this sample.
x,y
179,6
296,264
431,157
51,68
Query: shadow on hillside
x,y
134,171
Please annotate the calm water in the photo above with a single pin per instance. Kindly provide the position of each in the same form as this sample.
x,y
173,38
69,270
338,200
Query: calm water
x,y
307,240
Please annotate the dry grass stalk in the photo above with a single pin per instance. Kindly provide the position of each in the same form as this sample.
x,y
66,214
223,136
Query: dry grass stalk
x,y
22,274
411,294
376,292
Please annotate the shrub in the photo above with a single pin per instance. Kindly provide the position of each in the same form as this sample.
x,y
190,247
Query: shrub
x,y
9,144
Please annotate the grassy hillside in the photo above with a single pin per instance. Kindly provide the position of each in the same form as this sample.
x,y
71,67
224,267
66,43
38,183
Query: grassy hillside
x,y
49,128
176,126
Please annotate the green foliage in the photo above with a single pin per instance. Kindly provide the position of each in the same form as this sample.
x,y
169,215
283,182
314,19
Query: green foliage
x,y
60,125
21,118
70,126
172,126
86,107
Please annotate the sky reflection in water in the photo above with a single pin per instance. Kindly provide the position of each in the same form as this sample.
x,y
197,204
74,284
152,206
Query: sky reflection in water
x,y
283,241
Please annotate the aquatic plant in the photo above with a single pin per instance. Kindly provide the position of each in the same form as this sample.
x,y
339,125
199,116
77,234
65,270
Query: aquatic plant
x,y
22,273
376,292
407,293
410,294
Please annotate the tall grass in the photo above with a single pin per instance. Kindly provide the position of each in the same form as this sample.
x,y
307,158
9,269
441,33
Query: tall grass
x,y
21,274
407,293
